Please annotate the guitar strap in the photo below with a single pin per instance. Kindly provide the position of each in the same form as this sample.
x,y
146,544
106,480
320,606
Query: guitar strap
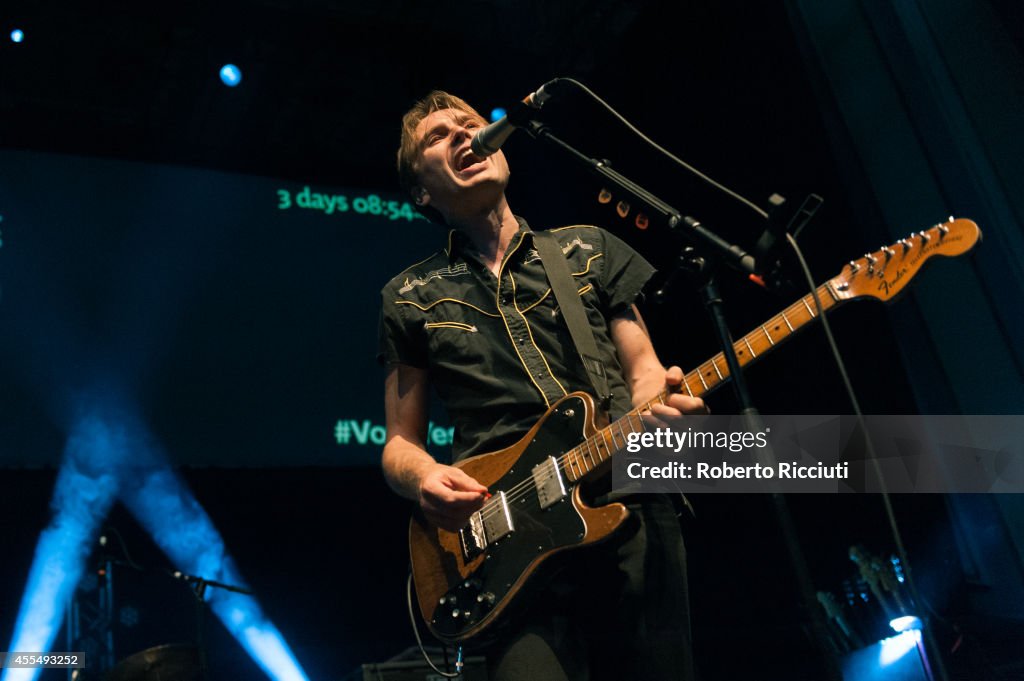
x,y
575,316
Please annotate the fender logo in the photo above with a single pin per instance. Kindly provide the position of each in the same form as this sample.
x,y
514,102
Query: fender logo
x,y
886,286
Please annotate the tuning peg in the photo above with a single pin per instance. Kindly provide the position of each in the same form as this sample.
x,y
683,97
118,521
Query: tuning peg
x,y
889,253
943,230
906,245
854,267
924,237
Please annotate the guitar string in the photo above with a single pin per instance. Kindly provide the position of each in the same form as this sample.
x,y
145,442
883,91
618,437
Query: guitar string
x,y
520,490
517,492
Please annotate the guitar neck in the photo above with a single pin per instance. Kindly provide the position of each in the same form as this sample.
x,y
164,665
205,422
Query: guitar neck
x,y
597,449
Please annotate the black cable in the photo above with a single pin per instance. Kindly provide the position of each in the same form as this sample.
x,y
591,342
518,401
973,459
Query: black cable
x,y
667,153
869,445
419,641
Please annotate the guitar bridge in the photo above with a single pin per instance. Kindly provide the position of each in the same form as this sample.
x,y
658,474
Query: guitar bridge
x,y
472,537
486,526
549,482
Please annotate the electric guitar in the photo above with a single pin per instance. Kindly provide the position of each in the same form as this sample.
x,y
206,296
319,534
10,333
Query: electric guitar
x,y
466,580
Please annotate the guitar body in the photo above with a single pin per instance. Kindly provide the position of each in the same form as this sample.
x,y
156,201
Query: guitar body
x,y
461,594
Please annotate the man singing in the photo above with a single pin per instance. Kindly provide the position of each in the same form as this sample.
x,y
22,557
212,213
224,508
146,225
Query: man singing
x,y
478,322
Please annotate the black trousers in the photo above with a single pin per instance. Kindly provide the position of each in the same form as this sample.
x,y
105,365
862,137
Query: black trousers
x,y
618,611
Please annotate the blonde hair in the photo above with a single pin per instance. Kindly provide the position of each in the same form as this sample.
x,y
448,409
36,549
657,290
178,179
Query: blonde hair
x,y
410,147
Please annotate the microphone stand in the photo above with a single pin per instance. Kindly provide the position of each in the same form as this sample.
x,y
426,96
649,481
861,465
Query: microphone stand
x,y
198,586
710,251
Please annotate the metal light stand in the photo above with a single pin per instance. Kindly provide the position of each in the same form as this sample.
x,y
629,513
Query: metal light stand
x,y
93,621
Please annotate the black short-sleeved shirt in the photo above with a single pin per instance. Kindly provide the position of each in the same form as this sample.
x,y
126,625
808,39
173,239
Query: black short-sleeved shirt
x,y
496,348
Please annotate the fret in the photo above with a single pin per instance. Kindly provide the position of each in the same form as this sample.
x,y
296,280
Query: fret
x,y
571,457
720,377
768,335
588,455
751,349
608,450
809,310
787,322
700,375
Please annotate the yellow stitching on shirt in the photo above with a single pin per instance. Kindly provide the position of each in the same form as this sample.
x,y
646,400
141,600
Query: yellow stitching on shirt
x,y
575,274
452,325
585,289
529,333
515,347
426,308
559,229
535,304
587,269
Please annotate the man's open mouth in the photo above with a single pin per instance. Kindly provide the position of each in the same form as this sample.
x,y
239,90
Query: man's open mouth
x,y
466,159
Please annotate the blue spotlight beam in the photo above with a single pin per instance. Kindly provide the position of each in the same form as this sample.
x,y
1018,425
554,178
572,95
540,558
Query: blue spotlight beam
x,y
162,503
110,454
86,489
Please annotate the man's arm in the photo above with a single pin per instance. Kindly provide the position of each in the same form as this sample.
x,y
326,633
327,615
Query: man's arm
x,y
447,495
645,373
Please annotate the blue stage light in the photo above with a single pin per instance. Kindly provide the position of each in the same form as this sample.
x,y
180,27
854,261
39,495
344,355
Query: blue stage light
x,y
905,623
498,113
109,455
162,504
17,35
894,648
86,488
230,75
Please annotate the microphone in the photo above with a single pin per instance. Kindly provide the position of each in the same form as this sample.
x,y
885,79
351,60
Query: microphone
x,y
490,138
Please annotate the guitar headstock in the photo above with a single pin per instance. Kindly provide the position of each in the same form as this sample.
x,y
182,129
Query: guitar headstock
x,y
885,273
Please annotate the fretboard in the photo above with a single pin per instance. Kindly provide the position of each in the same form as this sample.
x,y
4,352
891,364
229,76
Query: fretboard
x,y
597,449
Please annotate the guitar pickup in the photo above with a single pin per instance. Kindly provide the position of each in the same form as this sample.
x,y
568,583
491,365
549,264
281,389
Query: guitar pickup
x,y
549,482
497,518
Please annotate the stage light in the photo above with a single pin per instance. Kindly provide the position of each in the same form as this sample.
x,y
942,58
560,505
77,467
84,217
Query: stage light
x,y
894,648
85,490
17,35
905,623
163,504
497,113
230,75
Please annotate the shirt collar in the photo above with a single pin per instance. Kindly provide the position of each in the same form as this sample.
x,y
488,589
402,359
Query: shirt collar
x,y
459,244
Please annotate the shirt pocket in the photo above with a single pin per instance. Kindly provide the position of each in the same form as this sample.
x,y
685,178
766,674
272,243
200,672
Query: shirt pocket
x,y
454,343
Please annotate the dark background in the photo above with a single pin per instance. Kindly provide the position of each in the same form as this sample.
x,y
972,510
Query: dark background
x,y
142,246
